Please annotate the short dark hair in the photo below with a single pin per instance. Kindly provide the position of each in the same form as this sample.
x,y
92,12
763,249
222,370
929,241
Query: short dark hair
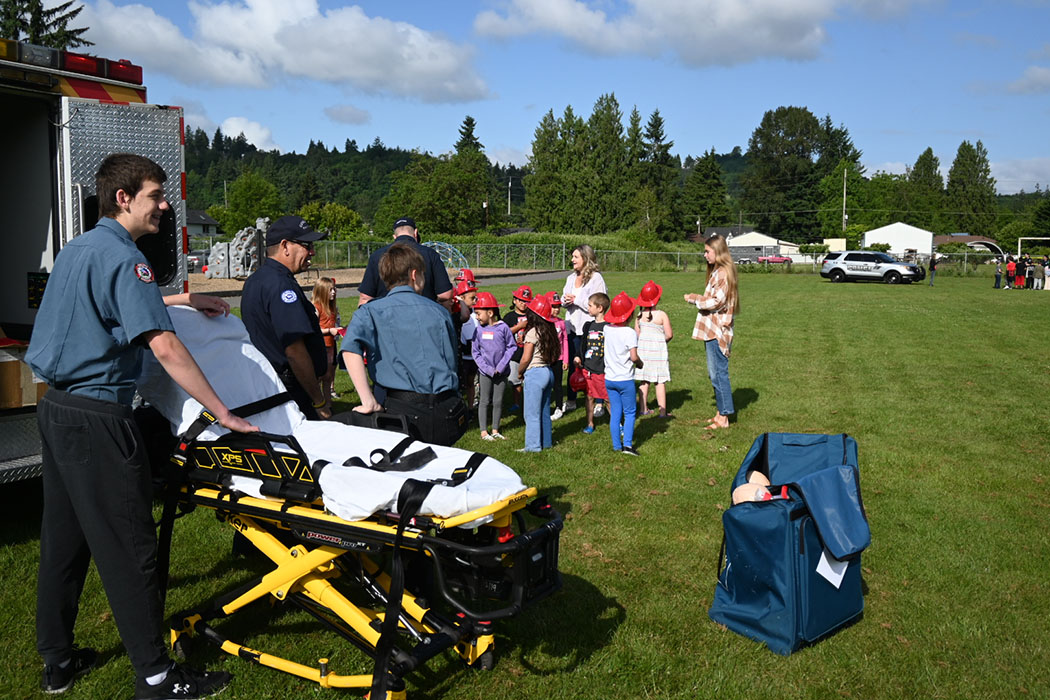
x,y
397,263
600,299
123,171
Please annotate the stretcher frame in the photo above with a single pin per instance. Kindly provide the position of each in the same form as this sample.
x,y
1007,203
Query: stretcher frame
x,y
480,575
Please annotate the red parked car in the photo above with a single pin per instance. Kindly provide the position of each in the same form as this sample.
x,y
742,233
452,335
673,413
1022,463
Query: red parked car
x,y
774,259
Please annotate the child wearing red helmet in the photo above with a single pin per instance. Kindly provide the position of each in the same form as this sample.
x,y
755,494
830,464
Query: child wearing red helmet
x,y
621,358
654,332
515,318
493,347
539,350
466,327
560,365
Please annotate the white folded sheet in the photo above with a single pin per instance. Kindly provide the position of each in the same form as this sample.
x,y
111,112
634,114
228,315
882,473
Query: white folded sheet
x,y
240,374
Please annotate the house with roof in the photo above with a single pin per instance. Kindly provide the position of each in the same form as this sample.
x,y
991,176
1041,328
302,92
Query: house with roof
x,y
902,239
198,223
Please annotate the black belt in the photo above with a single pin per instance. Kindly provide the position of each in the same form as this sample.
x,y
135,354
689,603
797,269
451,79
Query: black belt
x,y
420,398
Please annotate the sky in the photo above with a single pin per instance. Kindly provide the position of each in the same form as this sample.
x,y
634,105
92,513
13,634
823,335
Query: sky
x,y
900,75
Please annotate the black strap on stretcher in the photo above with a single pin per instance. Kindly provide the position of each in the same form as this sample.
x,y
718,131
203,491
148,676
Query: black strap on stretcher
x,y
176,473
409,499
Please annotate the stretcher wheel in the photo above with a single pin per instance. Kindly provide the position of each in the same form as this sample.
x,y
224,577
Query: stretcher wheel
x,y
182,647
485,662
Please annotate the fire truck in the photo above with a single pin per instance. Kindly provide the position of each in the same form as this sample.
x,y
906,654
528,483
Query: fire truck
x,y
61,114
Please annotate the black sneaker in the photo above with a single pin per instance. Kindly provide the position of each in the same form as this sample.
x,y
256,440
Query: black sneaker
x,y
183,683
58,679
628,450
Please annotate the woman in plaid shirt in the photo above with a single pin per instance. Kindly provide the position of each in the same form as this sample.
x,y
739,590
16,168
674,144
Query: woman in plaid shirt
x,y
714,323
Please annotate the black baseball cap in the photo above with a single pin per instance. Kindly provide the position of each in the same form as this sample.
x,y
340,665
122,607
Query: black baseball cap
x,y
404,221
291,228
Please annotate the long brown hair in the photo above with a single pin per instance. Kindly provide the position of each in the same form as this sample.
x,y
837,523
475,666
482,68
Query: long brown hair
x,y
724,262
548,345
322,295
590,261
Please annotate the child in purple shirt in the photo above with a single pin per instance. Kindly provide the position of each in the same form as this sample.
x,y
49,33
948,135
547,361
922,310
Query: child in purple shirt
x,y
493,347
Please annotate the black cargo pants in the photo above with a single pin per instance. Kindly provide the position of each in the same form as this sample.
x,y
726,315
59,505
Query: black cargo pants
x,y
97,503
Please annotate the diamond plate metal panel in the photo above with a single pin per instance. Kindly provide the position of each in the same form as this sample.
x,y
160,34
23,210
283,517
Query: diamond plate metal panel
x,y
19,437
93,130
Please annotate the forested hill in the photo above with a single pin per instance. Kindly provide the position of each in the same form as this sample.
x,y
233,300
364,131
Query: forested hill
x,y
356,178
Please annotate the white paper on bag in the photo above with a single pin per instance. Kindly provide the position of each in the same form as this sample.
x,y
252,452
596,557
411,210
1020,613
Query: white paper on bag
x,y
831,568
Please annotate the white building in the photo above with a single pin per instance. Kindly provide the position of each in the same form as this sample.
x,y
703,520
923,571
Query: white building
x,y
754,244
901,238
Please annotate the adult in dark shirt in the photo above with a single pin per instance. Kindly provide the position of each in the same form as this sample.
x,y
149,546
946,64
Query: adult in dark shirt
x,y
281,321
436,285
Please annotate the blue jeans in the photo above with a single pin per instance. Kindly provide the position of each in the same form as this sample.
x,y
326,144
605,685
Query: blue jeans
x,y
621,405
538,383
718,372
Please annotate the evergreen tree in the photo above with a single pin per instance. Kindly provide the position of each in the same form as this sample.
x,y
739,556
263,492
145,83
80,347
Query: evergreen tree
x,y
704,195
660,171
971,191
1041,218
569,216
29,20
467,140
543,192
926,193
604,187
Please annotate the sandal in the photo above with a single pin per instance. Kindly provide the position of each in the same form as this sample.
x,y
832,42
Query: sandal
x,y
647,412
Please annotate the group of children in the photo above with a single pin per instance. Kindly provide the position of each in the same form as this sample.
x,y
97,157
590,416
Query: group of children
x,y
528,348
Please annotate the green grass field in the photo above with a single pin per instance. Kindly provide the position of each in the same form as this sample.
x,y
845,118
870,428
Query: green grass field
x,y
945,390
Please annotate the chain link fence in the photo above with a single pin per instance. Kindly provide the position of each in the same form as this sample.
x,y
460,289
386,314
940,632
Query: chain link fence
x,y
335,255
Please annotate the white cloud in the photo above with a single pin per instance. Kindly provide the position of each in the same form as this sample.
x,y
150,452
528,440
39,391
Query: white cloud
x,y
256,43
508,156
1021,174
1036,79
698,32
157,44
196,115
347,114
255,132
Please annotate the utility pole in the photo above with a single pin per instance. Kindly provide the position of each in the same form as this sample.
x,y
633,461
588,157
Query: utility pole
x,y
843,197
508,197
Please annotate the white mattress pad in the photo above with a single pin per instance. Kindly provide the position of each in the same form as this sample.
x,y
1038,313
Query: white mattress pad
x,y
240,375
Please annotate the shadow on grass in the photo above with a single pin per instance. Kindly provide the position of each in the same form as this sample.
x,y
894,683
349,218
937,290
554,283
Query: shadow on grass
x,y
22,511
565,631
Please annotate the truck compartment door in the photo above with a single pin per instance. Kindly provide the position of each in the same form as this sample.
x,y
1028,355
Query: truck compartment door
x,y
92,130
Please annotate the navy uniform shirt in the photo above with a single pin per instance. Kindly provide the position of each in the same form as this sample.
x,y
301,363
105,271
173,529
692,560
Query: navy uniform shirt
x,y
277,313
409,341
435,277
100,298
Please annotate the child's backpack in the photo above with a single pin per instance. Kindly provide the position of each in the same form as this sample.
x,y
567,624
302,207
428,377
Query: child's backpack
x,y
789,569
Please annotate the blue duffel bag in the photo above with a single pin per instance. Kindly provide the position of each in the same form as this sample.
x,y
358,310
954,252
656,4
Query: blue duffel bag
x,y
769,588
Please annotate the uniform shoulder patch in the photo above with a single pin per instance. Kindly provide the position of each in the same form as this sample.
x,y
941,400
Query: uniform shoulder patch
x,y
289,296
144,272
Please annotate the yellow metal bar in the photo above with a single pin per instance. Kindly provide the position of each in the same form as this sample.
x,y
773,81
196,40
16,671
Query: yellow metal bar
x,y
330,680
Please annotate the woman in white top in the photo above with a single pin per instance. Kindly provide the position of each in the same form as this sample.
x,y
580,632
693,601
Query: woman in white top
x,y
584,281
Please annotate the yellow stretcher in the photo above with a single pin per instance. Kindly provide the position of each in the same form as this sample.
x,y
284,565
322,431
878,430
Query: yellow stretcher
x,y
460,580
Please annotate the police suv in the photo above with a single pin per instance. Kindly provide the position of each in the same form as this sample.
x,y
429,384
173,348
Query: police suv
x,y
869,265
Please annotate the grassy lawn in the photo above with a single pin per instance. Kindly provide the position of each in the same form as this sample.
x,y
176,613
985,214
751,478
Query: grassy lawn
x,y
945,390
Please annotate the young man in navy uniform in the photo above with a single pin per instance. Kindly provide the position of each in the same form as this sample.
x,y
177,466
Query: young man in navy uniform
x,y
101,309
281,321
